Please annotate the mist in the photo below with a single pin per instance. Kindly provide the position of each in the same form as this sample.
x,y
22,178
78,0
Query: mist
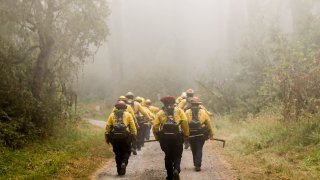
x,y
154,45
250,69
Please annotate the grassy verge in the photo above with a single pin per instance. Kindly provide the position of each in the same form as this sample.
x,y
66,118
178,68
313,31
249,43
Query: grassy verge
x,y
263,147
76,151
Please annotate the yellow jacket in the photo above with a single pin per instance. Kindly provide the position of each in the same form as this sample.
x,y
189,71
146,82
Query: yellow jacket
x,y
179,99
205,109
137,108
153,109
127,120
182,104
203,118
179,116
151,115
129,110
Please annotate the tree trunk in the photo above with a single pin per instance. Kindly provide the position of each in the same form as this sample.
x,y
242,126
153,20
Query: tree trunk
x,y
46,43
41,64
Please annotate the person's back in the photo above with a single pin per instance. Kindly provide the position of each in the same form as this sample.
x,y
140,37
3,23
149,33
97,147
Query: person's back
x,y
120,131
169,127
200,130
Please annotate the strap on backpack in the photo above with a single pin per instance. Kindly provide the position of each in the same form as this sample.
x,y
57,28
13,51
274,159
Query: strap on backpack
x,y
119,117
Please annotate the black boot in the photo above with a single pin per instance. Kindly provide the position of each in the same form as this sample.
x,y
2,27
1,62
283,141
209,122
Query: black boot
x,y
197,168
176,175
122,169
134,151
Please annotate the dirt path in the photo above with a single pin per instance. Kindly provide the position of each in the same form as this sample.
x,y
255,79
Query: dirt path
x,y
149,164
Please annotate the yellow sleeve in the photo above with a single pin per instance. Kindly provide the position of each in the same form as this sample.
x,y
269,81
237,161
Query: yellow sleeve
x,y
154,109
150,114
109,123
142,111
132,126
156,125
207,122
182,103
184,123
205,109
189,115
178,100
130,110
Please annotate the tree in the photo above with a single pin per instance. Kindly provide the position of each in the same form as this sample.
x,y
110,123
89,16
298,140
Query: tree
x,y
46,42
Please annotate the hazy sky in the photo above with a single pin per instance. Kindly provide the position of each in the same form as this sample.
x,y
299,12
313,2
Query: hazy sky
x,y
184,39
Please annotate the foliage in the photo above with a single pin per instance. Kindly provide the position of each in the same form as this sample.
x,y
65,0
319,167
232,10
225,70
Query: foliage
x,y
281,149
63,155
294,78
275,68
43,43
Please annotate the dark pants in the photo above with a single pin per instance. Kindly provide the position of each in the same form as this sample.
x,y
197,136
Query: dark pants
x,y
148,132
122,150
173,154
196,144
141,134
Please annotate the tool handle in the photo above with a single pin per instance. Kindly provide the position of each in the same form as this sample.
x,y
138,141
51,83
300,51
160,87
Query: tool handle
x,y
221,140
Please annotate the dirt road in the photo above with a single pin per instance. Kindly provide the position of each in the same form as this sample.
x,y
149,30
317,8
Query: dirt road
x,y
149,164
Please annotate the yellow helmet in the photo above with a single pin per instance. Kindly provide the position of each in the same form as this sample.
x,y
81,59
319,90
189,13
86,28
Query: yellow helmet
x,y
148,102
143,103
129,95
139,99
122,98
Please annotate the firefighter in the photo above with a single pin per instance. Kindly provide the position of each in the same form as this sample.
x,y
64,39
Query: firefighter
x,y
185,104
120,131
129,110
200,130
170,127
184,101
180,98
153,110
143,122
138,109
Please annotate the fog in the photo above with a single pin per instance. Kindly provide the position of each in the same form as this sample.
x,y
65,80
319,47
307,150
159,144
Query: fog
x,y
154,44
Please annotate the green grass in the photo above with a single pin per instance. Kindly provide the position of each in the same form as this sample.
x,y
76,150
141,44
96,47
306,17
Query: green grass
x,y
279,149
75,152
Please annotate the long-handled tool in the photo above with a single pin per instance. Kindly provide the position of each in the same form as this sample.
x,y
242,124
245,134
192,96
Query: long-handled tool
x,y
221,140
215,139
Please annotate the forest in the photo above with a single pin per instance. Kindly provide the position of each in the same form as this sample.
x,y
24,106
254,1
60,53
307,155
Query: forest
x,y
254,64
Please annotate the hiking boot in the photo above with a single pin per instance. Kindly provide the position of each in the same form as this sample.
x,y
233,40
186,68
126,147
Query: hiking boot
x,y
197,168
186,146
134,152
176,175
123,169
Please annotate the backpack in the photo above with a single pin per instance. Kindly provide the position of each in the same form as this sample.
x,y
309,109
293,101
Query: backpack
x,y
140,119
119,131
195,126
170,130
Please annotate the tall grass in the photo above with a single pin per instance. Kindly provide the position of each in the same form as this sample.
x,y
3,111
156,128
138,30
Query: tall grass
x,y
288,150
75,151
